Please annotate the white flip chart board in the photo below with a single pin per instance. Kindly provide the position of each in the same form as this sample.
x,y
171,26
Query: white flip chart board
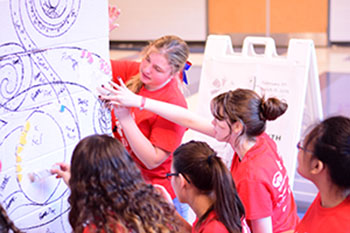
x,y
53,55
292,78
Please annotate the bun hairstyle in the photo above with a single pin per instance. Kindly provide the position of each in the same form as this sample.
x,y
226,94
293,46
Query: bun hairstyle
x,y
330,143
206,171
249,108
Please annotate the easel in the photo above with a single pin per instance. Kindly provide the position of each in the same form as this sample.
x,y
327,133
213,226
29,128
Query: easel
x,y
293,78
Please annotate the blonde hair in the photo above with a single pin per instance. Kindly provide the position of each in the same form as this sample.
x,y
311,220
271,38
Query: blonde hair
x,y
174,49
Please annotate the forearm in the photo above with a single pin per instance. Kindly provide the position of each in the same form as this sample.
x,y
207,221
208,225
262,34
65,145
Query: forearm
x,y
149,155
262,225
180,116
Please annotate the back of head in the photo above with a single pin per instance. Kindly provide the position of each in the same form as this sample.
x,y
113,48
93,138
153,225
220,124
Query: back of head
x,y
249,108
330,143
207,172
104,180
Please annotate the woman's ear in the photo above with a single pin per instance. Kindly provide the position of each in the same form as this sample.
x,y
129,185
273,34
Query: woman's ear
x,y
182,181
237,127
317,166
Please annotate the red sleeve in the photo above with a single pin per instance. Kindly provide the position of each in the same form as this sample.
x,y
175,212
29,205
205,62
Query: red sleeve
x,y
256,199
124,69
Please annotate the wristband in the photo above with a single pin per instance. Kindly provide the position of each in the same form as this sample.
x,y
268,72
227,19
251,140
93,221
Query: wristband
x,y
143,102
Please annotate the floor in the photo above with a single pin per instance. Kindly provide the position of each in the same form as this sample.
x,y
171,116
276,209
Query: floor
x,y
333,68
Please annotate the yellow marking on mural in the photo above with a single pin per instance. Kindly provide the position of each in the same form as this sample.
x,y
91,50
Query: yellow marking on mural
x,y
19,177
18,159
27,126
19,149
22,139
18,168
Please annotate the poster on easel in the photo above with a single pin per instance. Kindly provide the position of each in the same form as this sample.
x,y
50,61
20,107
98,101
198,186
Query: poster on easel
x,y
292,78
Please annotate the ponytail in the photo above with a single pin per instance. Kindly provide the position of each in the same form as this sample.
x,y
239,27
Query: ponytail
x,y
209,174
228,205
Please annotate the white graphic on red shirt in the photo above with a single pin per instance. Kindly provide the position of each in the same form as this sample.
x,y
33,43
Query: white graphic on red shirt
x,y
277,179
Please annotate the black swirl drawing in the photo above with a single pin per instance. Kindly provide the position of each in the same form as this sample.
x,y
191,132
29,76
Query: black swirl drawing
x,y
52,18
47,104
16,73
67,125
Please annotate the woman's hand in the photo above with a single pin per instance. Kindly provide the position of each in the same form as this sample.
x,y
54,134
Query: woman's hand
x,y
62,172
113,13
120,95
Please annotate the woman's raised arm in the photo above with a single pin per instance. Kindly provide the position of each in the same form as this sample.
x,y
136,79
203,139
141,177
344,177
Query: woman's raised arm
x,y
121,95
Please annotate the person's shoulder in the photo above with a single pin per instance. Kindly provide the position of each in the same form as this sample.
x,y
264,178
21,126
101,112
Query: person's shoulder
x,y
172,94
124,69
125,65
214,226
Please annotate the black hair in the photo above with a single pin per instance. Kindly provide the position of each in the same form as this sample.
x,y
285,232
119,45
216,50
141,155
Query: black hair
x,y
206,171
330,143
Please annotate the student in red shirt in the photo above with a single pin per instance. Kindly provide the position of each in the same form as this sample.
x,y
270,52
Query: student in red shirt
x,y
324,159
201,179
108,193
239,119
149,138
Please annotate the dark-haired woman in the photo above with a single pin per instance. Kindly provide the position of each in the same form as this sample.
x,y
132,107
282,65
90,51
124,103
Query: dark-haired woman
x,y
108,193
324,159
202,180
239,119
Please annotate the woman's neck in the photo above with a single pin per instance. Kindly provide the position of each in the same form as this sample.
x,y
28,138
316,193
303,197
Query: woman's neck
x,y
331,194
244,145
200,204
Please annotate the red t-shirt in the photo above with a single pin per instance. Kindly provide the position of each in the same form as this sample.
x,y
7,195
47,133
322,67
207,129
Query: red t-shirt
x,y
159,131
212,225
262,184
324,220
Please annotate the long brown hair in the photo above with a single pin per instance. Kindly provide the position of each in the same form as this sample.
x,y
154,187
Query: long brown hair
x,y
206,171
175,51
107,191
6,223
249,108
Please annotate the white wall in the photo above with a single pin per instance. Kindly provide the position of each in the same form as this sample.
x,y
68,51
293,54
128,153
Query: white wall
x,y
339,21
148,20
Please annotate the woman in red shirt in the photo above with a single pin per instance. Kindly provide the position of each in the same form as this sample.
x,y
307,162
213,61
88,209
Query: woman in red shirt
x,y
324,159
240,119
108,193
202,180
149,138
